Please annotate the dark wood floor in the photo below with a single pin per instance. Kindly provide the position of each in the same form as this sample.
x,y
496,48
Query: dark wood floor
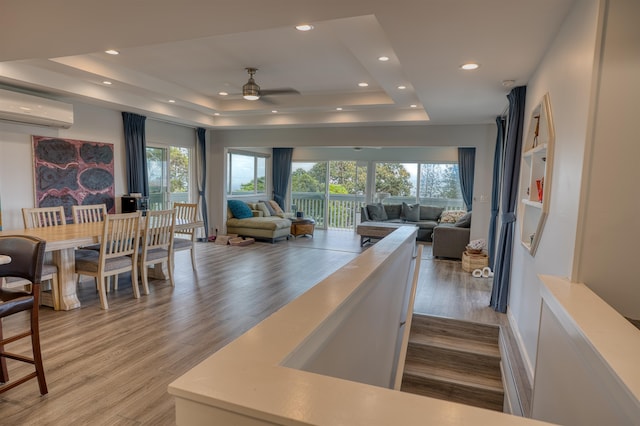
x,y
113,367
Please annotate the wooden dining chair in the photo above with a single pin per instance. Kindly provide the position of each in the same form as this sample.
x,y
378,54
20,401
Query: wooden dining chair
x,y
89,213
157,244
27,257
118,253
39,217
185,238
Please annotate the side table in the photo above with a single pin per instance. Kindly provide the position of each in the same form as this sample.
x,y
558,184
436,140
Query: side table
x,y
302,226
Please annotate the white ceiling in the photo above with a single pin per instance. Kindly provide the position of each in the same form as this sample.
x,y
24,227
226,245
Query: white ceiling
x,y
190,50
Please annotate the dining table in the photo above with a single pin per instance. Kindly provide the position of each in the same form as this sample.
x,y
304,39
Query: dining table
x,y
62,242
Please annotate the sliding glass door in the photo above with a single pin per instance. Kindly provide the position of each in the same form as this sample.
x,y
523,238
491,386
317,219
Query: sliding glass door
x,y
169,174
309,190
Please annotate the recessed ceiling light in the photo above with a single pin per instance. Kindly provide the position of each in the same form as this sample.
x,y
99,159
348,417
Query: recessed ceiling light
x,y
172,101
363,84
216,113
223,93
275,111
304,27
112,52
107,82
413,106
383,58
402,87
338,109
470,66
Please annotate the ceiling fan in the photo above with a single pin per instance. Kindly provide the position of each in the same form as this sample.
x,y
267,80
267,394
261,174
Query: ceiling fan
x,y
252,92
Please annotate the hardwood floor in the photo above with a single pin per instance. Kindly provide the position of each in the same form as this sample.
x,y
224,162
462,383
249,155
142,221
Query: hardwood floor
x,y
113,367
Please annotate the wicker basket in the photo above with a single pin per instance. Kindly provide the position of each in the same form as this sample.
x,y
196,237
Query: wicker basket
x,y
473,251
471,261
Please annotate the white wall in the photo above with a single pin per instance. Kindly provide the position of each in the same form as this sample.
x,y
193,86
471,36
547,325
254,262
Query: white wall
x,y
91,123
410,138
566,72
16,156
610,236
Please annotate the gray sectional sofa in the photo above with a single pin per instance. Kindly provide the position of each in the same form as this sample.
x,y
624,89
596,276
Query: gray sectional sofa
x,y
449,235
424,217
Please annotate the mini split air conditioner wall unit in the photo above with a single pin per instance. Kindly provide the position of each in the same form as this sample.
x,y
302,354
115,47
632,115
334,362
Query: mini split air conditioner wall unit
x,y
28,109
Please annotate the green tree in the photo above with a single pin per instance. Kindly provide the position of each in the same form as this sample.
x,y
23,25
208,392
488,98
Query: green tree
x,y
394,179
303,181
249,186
439,181
342,173
178,169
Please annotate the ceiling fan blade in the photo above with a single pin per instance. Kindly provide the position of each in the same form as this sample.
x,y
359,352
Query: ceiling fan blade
x,y
267,100
281,91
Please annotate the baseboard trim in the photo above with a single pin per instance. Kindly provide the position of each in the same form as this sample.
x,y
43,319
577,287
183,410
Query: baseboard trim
x,y
513,326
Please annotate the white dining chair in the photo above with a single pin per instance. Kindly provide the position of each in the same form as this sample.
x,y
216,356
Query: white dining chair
x,y
118,253
185,238
40,217
157,244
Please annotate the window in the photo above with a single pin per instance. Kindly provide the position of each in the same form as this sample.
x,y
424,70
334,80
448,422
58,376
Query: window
x,y
440,185
169,176
396,182
247,173
434,184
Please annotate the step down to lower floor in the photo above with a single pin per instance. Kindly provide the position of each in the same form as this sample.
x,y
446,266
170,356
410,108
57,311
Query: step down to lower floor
x,y
454,360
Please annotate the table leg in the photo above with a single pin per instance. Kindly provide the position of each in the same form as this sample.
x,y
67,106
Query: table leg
x,y
65,261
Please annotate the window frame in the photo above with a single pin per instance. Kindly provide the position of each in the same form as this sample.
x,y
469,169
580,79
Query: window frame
x,y
257,156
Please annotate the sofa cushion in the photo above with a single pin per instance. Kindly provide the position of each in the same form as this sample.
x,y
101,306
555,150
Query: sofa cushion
x,y
239,209
394,211
430,212
269,223
464,221
377,212
276,207
411,212
451,216
426,224
272,211
263,208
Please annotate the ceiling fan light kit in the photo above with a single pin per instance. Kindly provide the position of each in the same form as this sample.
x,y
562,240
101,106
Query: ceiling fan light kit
x,y
251,91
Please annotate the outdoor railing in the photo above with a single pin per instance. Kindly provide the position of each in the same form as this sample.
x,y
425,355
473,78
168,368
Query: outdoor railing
x,y
344,209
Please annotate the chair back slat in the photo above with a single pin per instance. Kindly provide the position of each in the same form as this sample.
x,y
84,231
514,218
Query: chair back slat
x,y
186,213
120,235
40,217
159,229
89,213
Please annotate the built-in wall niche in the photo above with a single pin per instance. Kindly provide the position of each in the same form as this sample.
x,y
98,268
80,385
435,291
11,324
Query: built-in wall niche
x,y
535,175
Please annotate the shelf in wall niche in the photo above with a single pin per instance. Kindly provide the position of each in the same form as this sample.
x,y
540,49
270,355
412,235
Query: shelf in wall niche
x,y
536,166
541,148
536,204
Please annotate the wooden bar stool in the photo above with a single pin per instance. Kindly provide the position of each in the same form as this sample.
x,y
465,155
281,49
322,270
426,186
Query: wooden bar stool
x,y
27,257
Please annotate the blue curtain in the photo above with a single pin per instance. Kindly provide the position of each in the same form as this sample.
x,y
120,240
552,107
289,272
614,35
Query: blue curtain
x,y
281,174
513,146
495,190
466,168
136,156
201,164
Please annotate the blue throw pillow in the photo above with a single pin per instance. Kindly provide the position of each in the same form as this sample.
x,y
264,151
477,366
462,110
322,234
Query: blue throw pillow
x,y
239,209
